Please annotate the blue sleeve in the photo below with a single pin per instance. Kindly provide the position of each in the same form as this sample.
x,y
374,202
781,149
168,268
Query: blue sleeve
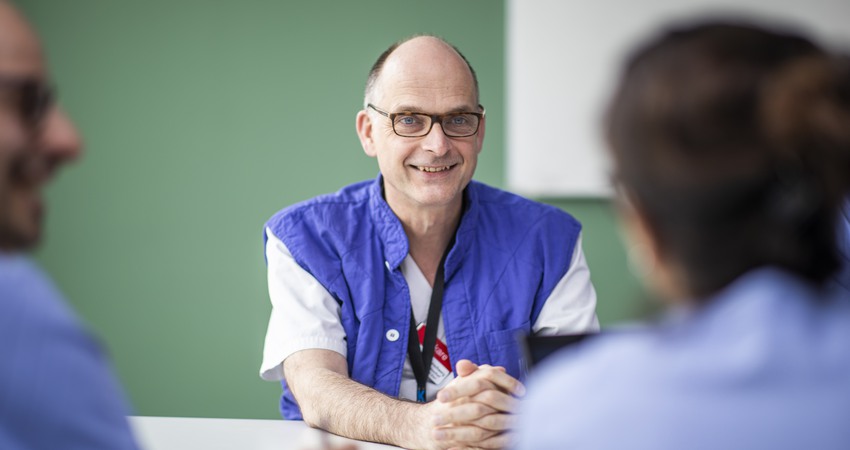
x,y
56,386
547,420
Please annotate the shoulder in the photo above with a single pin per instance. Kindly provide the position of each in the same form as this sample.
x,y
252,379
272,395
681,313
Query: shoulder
x,y
334,207
42,337
30,297
600,358
36,323
534,227
612,362
499,203
589,386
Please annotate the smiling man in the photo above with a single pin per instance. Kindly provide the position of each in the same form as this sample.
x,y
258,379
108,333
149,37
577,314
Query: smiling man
x,y
56,387
397,301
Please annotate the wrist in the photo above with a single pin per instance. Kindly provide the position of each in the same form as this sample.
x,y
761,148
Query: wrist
x,y
417,426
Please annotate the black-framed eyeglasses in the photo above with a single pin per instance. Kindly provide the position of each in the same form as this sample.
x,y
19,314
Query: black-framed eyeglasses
x,y
33,98
415,124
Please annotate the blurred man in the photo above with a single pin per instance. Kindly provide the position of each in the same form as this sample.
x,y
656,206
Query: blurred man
x,y
56,388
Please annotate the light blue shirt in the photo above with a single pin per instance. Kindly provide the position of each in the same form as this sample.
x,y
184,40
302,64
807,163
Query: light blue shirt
x,y
56,388
766,365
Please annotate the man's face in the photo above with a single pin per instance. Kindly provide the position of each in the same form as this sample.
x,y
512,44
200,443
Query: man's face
x,y
35,135
422,75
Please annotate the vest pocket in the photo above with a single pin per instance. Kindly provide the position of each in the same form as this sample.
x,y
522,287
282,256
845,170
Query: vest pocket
x,y
504,348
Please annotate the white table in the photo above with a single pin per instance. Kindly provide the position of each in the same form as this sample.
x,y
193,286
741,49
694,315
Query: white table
x,y
184,433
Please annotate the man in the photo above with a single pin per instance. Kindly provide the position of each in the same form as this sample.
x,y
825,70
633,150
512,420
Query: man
x,y
56,389
346,270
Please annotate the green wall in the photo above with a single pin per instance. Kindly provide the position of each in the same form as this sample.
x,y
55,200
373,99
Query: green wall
x,y
202,118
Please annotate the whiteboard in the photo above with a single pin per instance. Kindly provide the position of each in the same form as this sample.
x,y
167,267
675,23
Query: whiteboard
x,y
563,57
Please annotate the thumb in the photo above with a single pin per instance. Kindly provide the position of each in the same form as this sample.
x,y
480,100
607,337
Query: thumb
x,y
465,367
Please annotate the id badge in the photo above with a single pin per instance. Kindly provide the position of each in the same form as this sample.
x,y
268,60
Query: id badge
x,y
441,366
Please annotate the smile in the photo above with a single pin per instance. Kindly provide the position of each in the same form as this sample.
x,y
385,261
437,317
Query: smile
x,y
433,169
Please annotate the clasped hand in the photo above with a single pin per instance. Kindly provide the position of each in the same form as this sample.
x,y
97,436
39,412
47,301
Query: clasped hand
x,y
476,409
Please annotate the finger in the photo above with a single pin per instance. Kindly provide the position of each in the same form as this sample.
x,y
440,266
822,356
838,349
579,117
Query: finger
x,y
496,422
485,378
461,436
464,387
465,367
497,400
461,413
500,440
488,366
508,384
500,378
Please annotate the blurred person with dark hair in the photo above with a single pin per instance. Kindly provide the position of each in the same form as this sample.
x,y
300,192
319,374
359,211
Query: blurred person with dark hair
x,y
56,388
731,149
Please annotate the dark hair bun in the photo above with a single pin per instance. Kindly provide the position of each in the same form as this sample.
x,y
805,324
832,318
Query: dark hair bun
x,y
805,117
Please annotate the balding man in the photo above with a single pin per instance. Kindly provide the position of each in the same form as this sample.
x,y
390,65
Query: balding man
x,y
397,301
56,388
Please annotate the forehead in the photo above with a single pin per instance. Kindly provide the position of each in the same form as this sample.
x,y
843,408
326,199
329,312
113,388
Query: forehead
x,y
20,50
426,73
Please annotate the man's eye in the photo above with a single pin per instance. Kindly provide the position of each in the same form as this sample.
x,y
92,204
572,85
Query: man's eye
x,y
410,120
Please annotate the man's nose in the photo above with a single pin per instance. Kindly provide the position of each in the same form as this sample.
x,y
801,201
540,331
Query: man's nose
x,y
59,138
436,140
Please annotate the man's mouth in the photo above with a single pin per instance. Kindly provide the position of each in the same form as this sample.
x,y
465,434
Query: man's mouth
x,y
433,169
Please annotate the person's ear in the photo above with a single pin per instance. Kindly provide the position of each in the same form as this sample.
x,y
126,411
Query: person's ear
x,y
646,256
642,248
365,132
479,137
641,245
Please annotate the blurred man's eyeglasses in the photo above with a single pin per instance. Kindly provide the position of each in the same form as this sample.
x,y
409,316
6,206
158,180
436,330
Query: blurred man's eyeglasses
x,y
413,124
32,98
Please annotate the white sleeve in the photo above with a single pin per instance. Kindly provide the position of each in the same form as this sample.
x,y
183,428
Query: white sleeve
x,y
304,314
571,307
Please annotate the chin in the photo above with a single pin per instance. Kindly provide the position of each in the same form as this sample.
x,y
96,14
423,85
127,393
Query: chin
x,y
22,236
18,242
442,193
439,203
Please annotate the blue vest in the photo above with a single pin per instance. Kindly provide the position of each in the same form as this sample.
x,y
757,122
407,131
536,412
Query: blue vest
x,y
509,254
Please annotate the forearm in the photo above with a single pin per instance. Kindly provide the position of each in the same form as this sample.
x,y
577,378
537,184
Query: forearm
x,y
331,401
336,403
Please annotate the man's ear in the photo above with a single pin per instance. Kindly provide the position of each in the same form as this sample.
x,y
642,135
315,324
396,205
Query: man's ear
x,y
365,132
480,135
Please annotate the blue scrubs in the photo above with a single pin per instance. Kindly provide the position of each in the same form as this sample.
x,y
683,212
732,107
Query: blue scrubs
x,y
765,365
56,387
